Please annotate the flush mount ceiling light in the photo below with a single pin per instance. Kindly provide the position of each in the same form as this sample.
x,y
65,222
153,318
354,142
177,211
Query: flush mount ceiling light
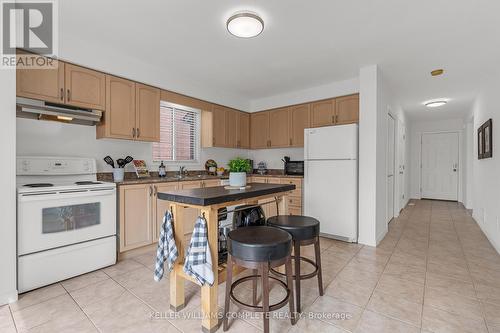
x,y
435,104
245,25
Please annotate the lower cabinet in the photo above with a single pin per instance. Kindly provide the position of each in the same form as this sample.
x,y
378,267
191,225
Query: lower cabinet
x,y
140,213
294,199
136,216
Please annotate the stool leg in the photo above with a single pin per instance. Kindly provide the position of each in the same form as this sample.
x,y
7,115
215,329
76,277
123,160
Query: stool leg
x,y
296,253
318,263
254,285
289,283
229,281
265,295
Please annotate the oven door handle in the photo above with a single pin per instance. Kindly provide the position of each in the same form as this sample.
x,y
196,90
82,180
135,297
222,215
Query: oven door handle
x,y
65,195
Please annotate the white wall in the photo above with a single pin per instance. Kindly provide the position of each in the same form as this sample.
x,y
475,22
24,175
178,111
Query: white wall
x,y
8,288
486,178
52,138
333,89
419,127
469,164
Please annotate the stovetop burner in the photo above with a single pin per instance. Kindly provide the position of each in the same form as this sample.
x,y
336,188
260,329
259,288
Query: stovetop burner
x,y
39,185
88,182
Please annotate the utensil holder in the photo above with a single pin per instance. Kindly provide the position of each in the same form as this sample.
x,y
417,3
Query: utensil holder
x,y
118,174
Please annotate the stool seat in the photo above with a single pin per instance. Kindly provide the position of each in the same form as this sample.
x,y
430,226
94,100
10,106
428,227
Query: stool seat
x,y
300,227
261,243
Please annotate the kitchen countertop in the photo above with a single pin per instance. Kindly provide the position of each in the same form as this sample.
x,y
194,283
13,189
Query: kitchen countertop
x,y
207,196
156,179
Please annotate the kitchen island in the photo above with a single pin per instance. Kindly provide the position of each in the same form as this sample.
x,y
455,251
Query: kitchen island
x,y
209,200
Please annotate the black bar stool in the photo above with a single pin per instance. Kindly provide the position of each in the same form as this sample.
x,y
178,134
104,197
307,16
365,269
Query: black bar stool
x,y
259,248
304,231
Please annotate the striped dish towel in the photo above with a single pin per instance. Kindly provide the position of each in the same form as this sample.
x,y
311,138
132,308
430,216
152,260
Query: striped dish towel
x,y
167,250
198,263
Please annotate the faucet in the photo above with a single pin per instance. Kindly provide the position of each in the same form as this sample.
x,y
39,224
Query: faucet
x,y
182,171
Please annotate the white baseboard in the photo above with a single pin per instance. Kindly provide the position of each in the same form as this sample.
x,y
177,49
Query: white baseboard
x,y
9,297
381,236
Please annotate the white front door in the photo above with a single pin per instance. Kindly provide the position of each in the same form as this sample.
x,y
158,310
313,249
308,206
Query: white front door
x,y
440,166
390,167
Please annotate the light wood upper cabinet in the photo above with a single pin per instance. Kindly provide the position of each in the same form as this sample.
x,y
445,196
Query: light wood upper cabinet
x,y
136,216
243,130
42,84
219,125
279,128
323,113
232,124
119,119
147,115
85,88
259,130
299,117
347,109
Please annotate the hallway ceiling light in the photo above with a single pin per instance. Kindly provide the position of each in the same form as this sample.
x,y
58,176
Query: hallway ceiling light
x,y
437,72
435,104
245,25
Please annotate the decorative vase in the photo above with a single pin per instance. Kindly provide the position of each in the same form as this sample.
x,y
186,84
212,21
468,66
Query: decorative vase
x,y
118,174
237,179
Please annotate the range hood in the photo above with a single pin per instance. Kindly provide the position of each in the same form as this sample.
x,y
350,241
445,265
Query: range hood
x,y
40,110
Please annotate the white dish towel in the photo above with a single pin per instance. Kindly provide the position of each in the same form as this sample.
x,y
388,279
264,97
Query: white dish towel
x,y
167,250
198,263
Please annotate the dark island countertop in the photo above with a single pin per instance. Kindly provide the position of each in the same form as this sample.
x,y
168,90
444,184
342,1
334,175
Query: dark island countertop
x,y
207,196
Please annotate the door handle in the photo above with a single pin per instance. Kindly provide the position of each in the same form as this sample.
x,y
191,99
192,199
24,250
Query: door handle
x,y
68,93
62,94
133,132
138,132
150,190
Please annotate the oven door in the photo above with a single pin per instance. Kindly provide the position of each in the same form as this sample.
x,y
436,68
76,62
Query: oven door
x,y
51,220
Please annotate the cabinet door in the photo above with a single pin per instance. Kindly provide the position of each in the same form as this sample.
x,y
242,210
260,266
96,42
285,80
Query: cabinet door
x,y
147,115
323,113
299,117
161,206
259,130
85,88
190,214
347,109
244,130
219,123
43,84
136,227
278,128
232,128
118,120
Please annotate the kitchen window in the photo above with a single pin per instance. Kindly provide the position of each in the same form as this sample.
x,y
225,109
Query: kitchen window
x,y
179,134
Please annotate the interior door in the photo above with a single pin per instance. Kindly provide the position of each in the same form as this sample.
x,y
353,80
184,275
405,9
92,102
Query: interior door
x,y
401,164
439,178
390,167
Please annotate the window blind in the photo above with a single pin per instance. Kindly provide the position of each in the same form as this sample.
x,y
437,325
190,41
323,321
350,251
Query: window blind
x,y
179,134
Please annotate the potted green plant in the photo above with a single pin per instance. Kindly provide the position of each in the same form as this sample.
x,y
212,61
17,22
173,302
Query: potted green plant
x,y
238,169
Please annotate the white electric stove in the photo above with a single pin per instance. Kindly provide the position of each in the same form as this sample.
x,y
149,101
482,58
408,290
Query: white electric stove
x,y
66,220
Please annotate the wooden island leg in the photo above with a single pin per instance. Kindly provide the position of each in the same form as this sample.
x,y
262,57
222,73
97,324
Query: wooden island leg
x,y
177,298
209,306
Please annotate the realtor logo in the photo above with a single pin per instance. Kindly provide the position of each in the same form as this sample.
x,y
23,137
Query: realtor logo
x,y
28,25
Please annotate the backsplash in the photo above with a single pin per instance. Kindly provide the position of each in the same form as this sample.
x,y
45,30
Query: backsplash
x,y
58,139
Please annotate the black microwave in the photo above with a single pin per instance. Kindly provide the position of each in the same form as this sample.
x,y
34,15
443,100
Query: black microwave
x,y
294,168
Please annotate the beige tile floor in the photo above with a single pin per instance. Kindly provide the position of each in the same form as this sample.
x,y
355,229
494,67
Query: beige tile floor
x,y
435,271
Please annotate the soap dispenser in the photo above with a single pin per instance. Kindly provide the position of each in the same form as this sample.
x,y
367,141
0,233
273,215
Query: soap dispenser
x,y
162,170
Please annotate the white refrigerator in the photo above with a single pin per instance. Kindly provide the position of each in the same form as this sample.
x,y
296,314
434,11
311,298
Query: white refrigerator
x,y
331,180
